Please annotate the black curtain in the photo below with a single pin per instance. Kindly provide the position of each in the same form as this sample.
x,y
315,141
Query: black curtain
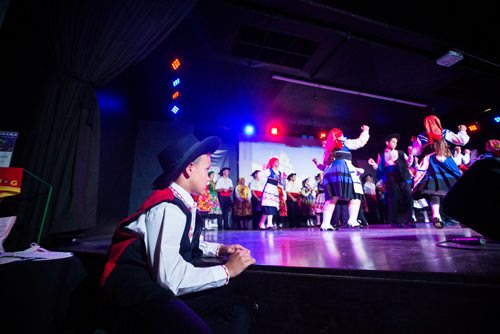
x,y
80,45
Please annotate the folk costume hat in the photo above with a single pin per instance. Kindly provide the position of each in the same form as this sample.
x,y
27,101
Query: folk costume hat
x,y
179,154
389,137
223,169
254,173
392,135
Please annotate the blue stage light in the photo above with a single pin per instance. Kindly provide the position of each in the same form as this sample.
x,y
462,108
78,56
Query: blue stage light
x,y
175,109
249,130
497,119
176,82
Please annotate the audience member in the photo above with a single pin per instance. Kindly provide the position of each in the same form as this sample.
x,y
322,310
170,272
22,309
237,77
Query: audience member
x,y
150,283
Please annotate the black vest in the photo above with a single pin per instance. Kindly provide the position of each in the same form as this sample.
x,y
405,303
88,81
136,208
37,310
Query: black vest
x,y
401,167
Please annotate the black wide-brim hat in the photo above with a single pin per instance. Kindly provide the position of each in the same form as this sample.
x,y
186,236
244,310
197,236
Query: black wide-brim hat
x,y
392,135
223,169
255,172
179,154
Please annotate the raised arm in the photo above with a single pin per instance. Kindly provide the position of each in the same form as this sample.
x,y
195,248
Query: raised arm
x,y
460,138
354,144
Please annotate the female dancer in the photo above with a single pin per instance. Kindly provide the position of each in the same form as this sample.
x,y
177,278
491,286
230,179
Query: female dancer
x,y
270,201
341,180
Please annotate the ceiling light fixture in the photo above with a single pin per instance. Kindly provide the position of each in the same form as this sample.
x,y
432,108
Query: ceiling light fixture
x,y
450,58
348,91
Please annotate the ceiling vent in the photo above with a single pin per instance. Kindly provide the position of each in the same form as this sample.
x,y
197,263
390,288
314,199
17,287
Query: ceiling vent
x,y
274,48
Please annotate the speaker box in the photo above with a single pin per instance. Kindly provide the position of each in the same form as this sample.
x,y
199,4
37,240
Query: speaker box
x,y
475,199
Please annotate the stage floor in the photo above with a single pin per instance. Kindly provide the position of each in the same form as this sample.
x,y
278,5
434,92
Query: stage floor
x,y
424,249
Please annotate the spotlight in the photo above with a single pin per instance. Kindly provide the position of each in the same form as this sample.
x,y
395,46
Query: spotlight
x,y
249,130
175,95
176,82
175,109
473,127
450,58
497,119
322,135
274,131
176,63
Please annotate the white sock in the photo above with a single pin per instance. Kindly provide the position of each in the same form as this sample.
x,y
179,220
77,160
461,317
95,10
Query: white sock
x,y
426,216
262,220
353,209
328,213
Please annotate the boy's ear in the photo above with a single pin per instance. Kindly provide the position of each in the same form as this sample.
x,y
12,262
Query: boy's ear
x,y
188,170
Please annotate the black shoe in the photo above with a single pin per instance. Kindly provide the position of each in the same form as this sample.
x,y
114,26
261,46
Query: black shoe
x,y
438,223
411,224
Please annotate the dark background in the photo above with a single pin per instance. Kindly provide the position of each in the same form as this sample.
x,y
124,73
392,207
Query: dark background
x,y
229,52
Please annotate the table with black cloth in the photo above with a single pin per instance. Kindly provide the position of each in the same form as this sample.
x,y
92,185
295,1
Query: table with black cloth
x,y
43,296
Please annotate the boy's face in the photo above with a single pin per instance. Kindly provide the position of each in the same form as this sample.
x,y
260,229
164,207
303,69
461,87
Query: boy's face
x,y
199,175
391,144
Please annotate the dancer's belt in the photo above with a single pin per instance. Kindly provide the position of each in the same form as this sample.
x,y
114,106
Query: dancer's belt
x,y
272,181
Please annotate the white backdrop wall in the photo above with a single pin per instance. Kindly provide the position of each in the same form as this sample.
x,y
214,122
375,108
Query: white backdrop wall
x,y
295,156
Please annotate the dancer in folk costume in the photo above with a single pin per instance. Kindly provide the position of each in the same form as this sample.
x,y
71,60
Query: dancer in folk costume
x,y
341,180
437,172
293,199
270,201
434,131
208,204
319,199
256,186
242,207
392,167
307,202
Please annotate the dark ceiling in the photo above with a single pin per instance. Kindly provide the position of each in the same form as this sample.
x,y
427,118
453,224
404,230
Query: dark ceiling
x,y
231,50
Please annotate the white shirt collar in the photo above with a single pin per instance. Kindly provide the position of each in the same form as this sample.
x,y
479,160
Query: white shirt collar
x,y
183,194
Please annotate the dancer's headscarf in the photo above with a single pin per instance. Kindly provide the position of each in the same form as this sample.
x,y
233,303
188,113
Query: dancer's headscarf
x,y
493,146
333,140
433,128
271,162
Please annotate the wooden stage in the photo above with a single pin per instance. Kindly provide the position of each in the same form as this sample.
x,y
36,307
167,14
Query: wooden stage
x,y
374,280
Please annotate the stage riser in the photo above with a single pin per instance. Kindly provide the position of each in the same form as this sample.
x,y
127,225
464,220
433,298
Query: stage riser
x,y
302,303
340,303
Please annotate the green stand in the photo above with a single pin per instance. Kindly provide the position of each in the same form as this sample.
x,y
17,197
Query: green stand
x,y
49,196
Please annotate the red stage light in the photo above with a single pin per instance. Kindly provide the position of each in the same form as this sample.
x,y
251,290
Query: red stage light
x,y
175,95
274,131
322,135
176,64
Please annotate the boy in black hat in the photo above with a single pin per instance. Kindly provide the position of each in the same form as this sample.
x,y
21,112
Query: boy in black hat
x,y
392,168
149,284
